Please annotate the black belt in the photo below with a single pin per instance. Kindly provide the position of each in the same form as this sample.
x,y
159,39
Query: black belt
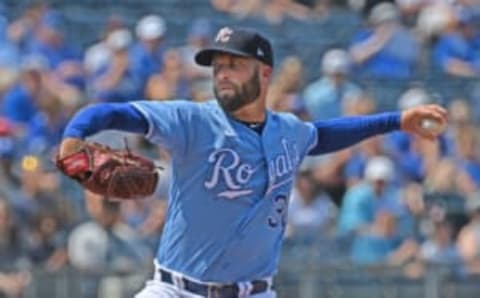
x,y
214,291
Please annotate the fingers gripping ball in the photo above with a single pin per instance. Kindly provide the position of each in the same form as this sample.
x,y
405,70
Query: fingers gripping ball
x,y
112,173
433,126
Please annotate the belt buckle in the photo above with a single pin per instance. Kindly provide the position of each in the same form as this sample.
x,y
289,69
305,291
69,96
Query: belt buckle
x,y
216,291
211,291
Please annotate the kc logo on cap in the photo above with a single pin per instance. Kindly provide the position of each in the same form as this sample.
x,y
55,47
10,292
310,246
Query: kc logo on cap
x,y
224,35
242,42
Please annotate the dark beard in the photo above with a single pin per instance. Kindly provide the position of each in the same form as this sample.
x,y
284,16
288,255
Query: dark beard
x,y
243,95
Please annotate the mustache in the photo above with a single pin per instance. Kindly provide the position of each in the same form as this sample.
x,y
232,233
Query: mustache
x,y
226,84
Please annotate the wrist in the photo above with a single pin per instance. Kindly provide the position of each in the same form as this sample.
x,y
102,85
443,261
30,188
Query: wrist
x,y
69,146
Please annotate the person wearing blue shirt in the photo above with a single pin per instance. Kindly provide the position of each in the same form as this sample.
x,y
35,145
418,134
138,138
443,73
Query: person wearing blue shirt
x,y
387,50
362,200
324,98
457,51
146,54
45,128
49,41
9,52
233,168
116,81
20,102
376,244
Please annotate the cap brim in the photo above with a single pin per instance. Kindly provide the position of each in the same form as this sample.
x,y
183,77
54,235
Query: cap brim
x,y
205,56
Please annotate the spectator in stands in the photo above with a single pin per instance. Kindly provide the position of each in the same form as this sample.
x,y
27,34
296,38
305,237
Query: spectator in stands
x,y
362,201
468,159
238,8
98,54
274,11
45,129
377,242
409,10
9,57
445,177
328,172
460,114
146,55
324,97
415,218
49,41
284,94
20,103
363,104
198,37
22,30
13,256
387,50
116,81
147,217
107,243
8,146
12,241
13,284
355,166
456,51
311,212
420,158
199,77
46,242
468,241
169,83
440,247
413,156
39,192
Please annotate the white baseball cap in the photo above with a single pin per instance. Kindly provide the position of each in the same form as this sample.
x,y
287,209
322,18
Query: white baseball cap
x,y
119,39
151,27
379,168
413,97
383,12
88,246
336,61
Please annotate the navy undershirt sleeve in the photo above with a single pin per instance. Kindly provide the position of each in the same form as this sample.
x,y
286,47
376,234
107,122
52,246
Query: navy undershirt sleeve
x,y
343,132
95,118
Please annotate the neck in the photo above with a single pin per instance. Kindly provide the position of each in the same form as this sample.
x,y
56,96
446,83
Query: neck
x,y
253,112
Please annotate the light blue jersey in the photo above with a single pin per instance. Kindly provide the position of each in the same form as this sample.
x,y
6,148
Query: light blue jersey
x,y
230,188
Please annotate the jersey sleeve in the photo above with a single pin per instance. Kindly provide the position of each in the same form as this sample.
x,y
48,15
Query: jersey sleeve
x,y
340,133
310,138
168,123
305,134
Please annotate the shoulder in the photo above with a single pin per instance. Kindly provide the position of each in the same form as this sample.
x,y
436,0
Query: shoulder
x,y
285,119
182,104
361,36
291,121
447,40
180,108
361,190
16,92
317,85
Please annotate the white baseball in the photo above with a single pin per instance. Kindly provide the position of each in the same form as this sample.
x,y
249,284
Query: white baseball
x,y
433,126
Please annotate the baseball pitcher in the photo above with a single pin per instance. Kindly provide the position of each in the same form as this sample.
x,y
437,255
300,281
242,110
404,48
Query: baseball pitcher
x,y
234,163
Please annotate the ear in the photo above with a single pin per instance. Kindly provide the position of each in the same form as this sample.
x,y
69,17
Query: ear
x,y
266,72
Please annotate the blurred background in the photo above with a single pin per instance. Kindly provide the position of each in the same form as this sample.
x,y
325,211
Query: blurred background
x,y
395,216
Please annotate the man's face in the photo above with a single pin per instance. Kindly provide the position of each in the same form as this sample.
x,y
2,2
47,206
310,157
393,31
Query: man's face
x,y
236,81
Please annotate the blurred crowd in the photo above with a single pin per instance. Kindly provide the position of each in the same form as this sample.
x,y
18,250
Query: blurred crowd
x,y
392,200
